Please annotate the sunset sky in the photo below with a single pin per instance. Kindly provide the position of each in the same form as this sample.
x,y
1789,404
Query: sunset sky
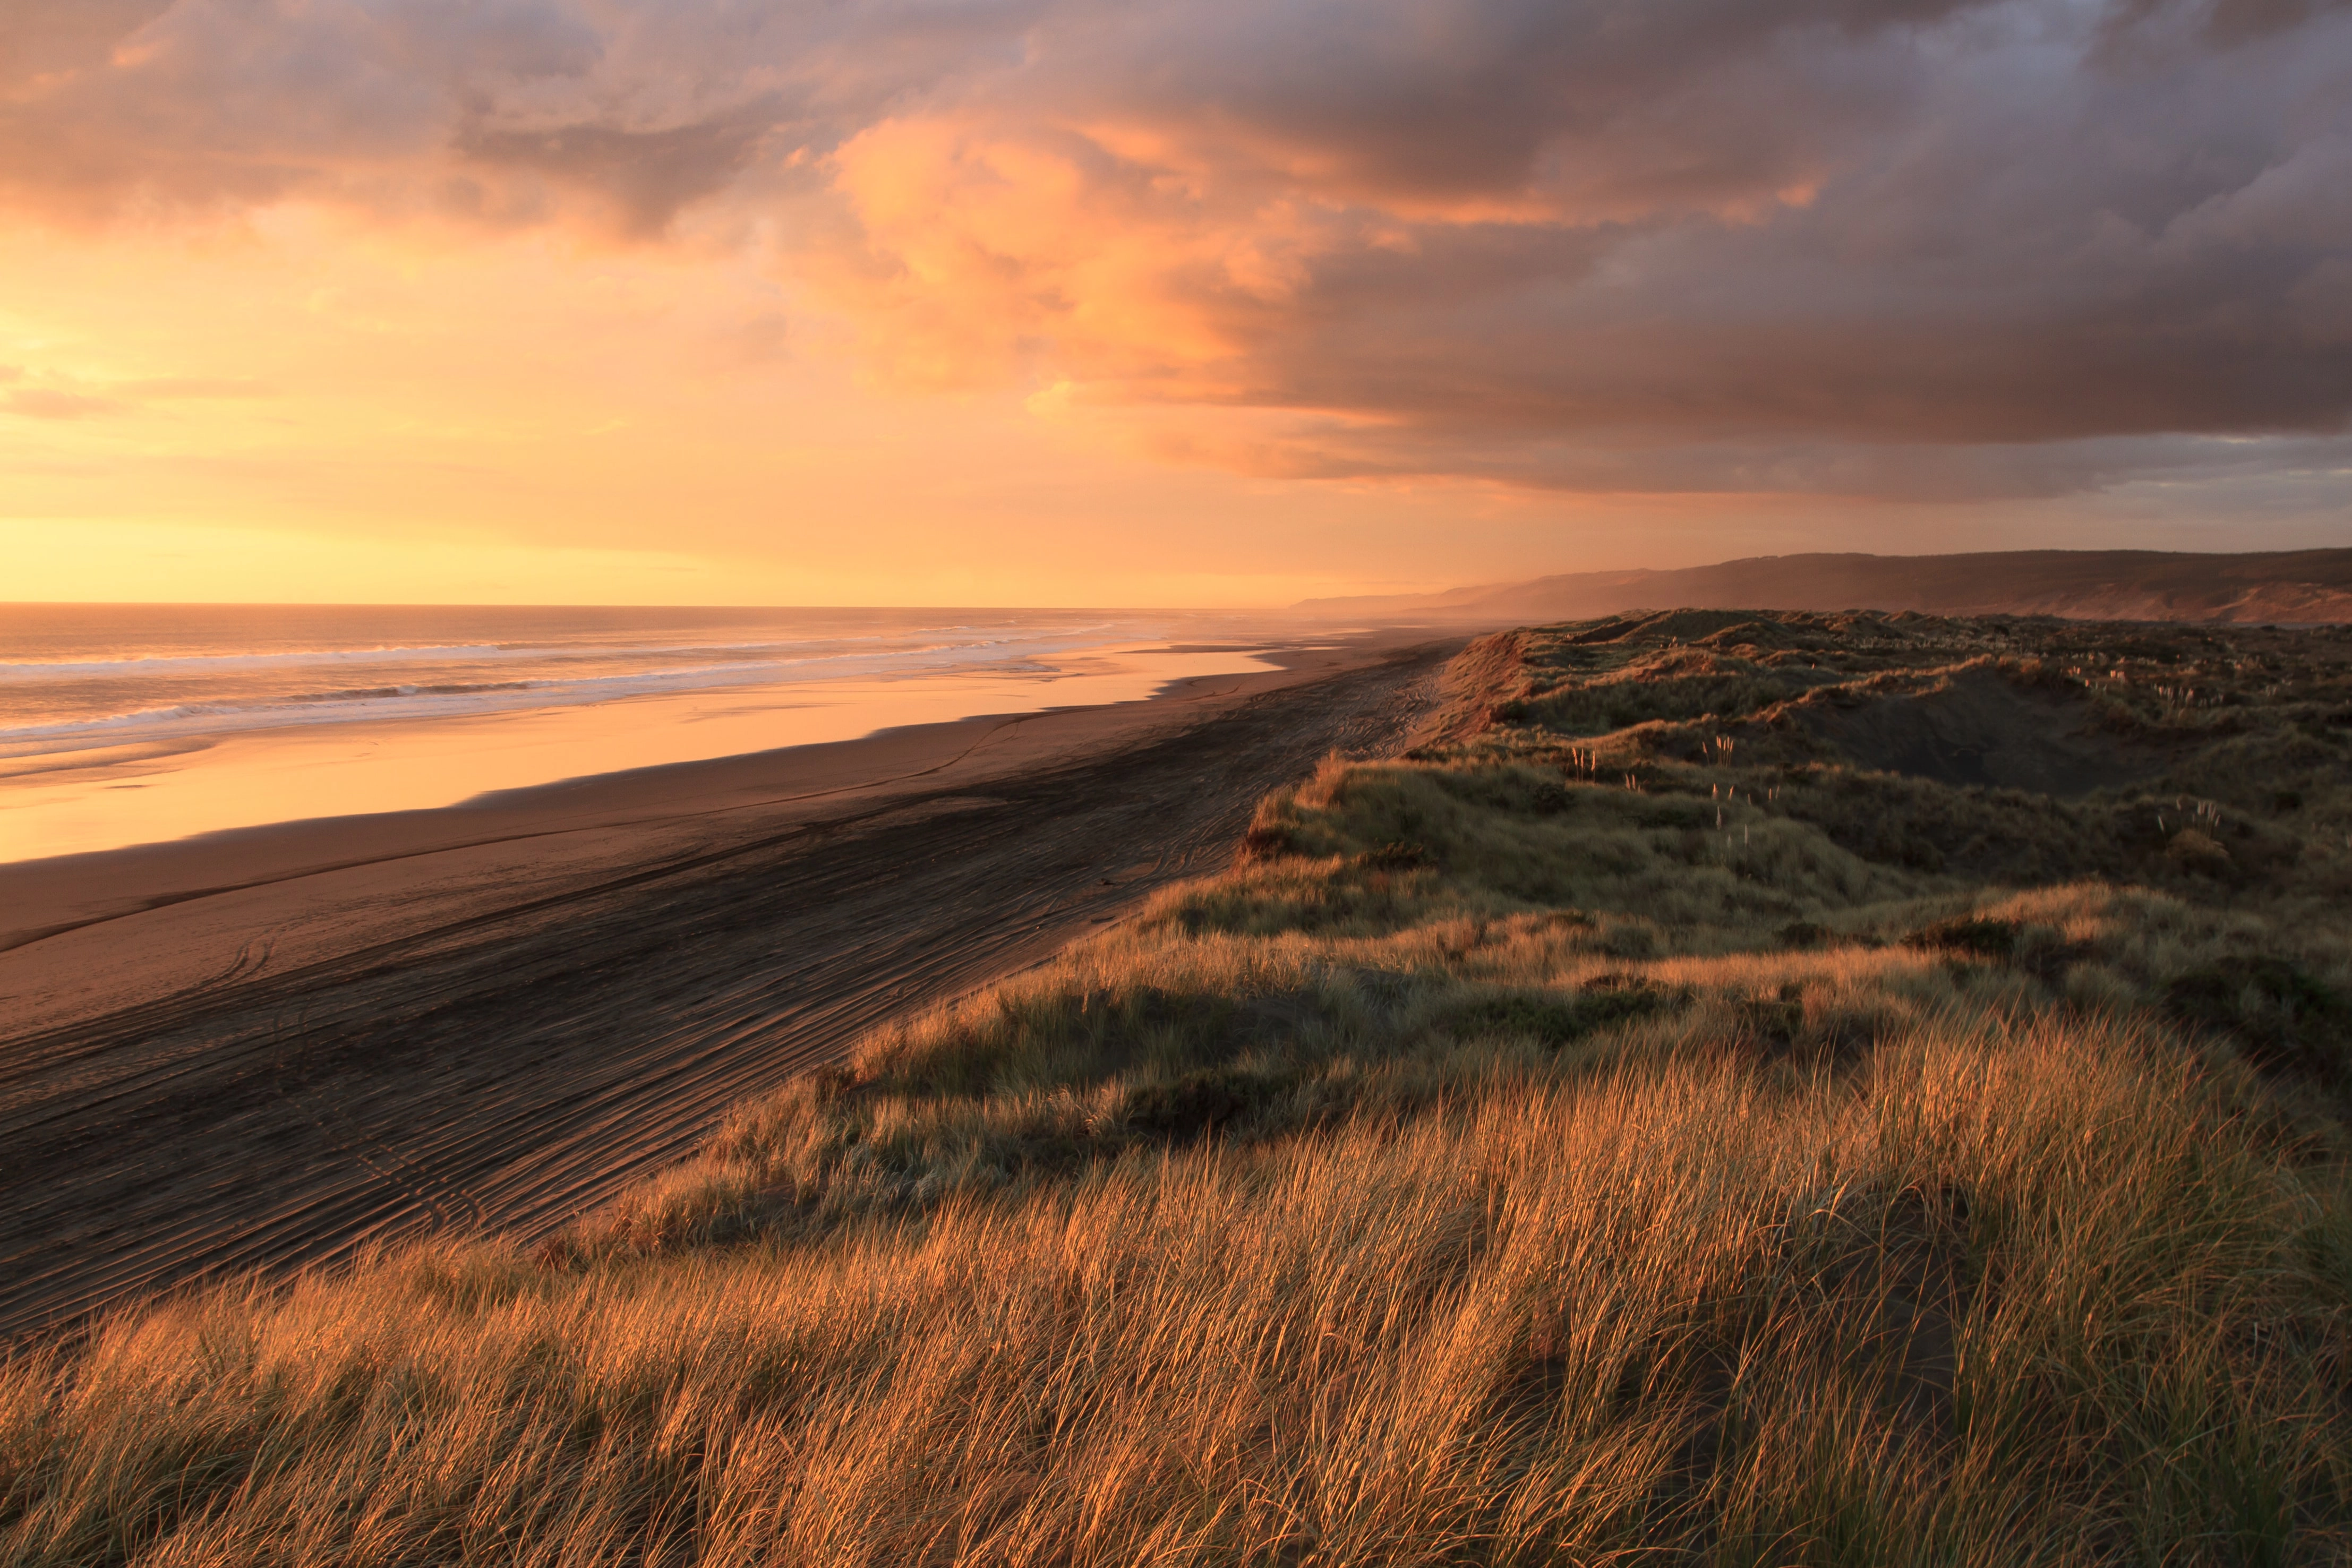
x,y
1213,302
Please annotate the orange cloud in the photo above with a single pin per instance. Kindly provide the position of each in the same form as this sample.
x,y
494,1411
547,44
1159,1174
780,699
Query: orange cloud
x,y
991,251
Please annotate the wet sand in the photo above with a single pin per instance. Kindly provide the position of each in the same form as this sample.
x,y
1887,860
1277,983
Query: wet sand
x,y
291,765
268,1048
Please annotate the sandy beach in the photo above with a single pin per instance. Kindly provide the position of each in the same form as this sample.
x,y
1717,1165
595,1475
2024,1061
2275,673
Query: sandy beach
x,y
268,1048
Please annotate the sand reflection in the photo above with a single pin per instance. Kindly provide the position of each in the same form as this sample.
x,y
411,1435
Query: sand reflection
x,y
108,798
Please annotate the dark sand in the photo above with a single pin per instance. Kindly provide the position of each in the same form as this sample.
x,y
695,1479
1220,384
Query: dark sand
x,y
266,1048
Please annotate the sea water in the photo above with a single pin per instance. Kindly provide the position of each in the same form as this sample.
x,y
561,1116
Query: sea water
x,y
128,724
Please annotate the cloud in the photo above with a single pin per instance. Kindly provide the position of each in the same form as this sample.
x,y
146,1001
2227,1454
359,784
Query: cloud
x,y
645,176
51,402
66,397
157,389
1674,247
2220,24
1893,246
37,39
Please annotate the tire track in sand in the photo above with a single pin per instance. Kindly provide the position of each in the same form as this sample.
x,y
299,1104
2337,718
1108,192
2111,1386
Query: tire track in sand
x,y
518,1066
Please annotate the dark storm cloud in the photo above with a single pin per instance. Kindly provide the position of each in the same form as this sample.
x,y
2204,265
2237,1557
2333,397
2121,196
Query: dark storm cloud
x,y
1893,246
1446,98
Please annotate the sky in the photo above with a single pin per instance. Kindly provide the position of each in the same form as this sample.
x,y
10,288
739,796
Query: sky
x,y
1145,302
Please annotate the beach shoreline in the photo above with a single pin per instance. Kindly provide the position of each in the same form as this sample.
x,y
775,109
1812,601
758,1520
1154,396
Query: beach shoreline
x,y
121,753
48,896
324,1032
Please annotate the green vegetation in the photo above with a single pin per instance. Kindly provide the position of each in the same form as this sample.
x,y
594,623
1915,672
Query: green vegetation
x,y
1750,1089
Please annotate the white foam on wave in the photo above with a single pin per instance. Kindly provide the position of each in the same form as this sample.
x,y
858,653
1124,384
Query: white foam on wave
x,y
145,666
214,663
177,721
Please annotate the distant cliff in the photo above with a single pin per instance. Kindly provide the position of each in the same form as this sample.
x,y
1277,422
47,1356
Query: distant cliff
x,y
2283,586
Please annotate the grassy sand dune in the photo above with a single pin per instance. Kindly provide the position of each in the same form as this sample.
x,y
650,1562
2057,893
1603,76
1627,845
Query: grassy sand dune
x,y
1694,1110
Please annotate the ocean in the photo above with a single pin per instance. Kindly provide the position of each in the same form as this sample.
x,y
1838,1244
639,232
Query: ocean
x,y
125,724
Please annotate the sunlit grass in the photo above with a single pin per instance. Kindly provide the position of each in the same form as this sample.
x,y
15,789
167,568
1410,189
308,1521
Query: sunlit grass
x,y
2010,1293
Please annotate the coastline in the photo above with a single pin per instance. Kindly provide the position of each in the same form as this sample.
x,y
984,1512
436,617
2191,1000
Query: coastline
x,y
231,749
325,1032
51,896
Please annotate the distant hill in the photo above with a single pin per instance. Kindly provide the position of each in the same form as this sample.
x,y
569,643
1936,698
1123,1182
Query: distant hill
x,y
2283,586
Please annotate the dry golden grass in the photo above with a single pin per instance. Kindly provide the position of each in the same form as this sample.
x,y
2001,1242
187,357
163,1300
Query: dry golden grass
x,y
2013,1294
1500,1165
